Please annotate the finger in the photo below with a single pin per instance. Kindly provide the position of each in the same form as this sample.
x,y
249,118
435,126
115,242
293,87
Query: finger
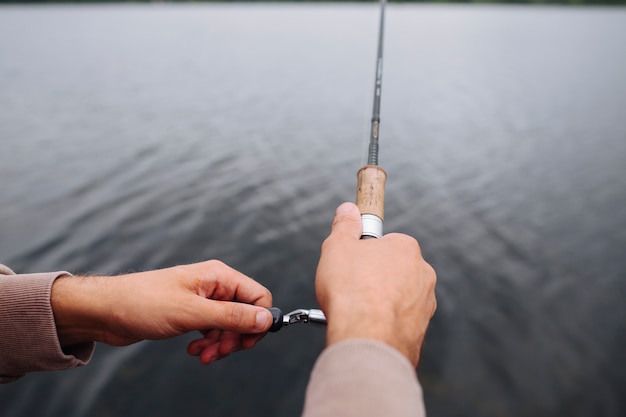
x,y
235,317
347,221
249,341
251,292
196,346
211,334
237,286
229,343
210,354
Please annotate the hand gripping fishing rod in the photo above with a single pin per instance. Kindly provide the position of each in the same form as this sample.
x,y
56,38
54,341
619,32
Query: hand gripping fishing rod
x,y
370,194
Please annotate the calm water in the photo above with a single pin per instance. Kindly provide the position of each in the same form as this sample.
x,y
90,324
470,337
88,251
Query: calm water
x,y
138,137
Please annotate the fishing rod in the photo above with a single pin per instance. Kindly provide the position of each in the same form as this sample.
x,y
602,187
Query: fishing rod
x,y
370,195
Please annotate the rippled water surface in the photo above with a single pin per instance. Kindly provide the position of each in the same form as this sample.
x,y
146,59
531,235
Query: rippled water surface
x,y
138,137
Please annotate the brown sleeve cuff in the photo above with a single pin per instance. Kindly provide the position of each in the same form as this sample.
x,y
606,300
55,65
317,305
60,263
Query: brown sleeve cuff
x,y
29,340
363,378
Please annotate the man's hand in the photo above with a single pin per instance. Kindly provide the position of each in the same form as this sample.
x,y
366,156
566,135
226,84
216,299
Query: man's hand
x,y
380,289
228,307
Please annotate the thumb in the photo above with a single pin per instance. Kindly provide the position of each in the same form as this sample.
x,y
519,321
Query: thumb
x,y
236,317
347,221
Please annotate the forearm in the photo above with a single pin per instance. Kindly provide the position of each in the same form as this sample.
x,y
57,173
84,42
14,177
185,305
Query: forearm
x,y
29,339
46,318
363,378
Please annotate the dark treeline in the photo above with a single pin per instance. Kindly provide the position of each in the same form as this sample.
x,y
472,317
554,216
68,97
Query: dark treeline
x,y
555,2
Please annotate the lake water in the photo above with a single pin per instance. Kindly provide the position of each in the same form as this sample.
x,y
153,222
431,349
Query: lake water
x,y
135,137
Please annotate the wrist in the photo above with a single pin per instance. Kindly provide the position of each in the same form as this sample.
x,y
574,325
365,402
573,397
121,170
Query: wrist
x,y
376,324
78,309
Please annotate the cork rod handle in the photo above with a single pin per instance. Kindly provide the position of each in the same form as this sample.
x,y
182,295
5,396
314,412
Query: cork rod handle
x,y
370,196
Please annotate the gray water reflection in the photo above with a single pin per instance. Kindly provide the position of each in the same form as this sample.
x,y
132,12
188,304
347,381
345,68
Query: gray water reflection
x,y
137,137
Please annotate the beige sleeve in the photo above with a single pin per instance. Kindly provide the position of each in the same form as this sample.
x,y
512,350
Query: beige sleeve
x,y
361,378
28,336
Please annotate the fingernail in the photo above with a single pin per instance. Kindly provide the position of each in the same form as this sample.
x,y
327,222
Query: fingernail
x,y
263,319
343,208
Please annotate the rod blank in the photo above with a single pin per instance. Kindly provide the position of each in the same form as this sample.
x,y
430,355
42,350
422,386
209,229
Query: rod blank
x,y
370,195
372,156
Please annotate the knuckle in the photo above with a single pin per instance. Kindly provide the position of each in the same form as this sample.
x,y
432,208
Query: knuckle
x,y
267,295
406,241
212,268
432,274
327,243
215,263
430,277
